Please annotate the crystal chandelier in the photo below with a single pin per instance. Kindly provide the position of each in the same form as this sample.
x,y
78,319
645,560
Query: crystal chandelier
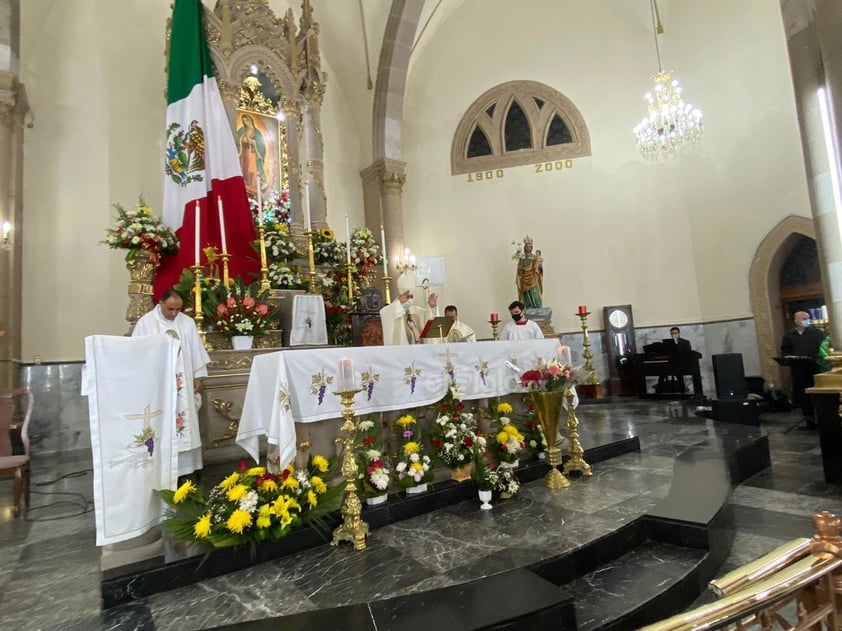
x,y
671,124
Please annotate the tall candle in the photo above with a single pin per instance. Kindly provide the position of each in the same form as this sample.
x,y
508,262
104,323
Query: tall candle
x,y
307,205
383,247
583,309
259,204
346,380
197,231
222,225
348,239
564,356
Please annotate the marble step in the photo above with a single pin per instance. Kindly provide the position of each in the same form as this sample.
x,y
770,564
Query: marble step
x,y
650,582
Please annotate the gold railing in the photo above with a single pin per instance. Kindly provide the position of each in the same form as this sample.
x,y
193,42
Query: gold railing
x,y
796,586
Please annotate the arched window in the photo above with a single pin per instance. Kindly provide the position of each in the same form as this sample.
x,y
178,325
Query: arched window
x,y
517,123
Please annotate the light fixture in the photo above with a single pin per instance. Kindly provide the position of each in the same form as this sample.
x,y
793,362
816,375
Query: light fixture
x,y
6,243
405,263
280,116
671,124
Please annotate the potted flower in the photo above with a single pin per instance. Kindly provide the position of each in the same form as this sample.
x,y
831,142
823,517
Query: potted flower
x,y
485,476
241,312
413,465
455,434
508,440
372,466
507,483
139,231
253,504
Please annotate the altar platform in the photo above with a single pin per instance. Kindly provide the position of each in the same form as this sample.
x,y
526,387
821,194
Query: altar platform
x,y
634,543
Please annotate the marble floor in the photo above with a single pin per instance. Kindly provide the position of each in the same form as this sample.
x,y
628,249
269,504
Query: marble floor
x,y
49,565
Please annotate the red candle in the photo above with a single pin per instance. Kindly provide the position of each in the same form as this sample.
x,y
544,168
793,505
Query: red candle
x,y
494,317
583,309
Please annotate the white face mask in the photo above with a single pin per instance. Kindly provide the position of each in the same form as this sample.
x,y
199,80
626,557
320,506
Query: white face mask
x,y
408,303
805,323
675,337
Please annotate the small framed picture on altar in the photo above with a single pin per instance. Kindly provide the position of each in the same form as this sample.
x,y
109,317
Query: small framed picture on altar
x,y
261,147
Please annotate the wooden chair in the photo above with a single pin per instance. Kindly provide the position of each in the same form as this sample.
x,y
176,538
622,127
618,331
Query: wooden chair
x,y
14,431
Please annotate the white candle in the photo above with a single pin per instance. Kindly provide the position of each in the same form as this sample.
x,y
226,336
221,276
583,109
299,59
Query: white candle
x,y
346,380
259,205
383,247
197,231
307,205
348,239
222,225
564,356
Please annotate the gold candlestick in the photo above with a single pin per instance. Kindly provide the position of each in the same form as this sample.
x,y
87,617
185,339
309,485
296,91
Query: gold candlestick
x,y
495,329
198,316
264,270
386,281
576,462
353,528
348,267
592,378
225,256
311,255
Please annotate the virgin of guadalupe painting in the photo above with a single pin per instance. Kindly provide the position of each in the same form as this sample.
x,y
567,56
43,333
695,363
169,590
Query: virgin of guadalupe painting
x,y
259,151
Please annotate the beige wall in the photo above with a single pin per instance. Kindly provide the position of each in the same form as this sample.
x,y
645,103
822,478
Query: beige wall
x,y
94,71
613,228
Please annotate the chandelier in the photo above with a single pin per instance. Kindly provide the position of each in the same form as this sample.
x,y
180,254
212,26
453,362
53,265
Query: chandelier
x,y
671,124
405,263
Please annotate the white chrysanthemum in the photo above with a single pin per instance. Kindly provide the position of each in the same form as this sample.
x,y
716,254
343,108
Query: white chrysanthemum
x,y
401,467
413,457
248,502
372,454
380,479
366,425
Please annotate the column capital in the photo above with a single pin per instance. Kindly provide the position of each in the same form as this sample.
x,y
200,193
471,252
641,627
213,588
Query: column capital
x,y
390,175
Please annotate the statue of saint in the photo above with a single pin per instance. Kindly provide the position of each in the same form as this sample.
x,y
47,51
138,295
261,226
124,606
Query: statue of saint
x,y
529,278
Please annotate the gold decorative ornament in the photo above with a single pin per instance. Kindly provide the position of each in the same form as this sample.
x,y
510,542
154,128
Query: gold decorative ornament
x,y
141,268
547,409
223,408
353,528
197,310
592,379
264,269
576,462
495,329
461,474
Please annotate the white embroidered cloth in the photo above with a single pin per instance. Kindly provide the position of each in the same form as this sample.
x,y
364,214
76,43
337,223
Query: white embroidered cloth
x,y
131,390
309,326
297,386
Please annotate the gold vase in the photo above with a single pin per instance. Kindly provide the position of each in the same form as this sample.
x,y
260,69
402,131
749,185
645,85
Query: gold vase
x,y
461,474
141,274
547,409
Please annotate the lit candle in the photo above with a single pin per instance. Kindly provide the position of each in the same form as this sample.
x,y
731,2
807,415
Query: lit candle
x,y
583,309
197,231
383,247
348,239
259,205
346,380
222,225
494,317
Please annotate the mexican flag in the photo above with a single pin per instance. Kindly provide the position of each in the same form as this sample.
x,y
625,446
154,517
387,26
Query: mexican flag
x,y
200,163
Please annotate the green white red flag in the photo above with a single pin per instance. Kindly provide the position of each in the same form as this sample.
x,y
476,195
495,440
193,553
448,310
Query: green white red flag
x,y
201,163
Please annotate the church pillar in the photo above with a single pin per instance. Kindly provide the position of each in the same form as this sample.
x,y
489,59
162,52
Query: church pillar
x,y
13,107
815,55
382,195
315,157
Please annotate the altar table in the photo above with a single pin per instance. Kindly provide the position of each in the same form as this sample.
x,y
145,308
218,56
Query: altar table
x,y
298,385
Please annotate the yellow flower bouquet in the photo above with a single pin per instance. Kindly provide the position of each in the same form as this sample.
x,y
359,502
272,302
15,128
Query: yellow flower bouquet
x,y
253,505
413,466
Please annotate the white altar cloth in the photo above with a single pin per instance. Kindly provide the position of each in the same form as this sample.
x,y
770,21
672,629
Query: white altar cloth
x,y
297,385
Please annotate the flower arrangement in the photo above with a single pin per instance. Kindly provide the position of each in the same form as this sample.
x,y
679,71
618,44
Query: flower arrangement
x,y
326,250
252,505
484,474
507,483
365,253
455,431
553,376
277,209
372,467
533,436
282,276
508,440
138,229
279,244
413,465
241,310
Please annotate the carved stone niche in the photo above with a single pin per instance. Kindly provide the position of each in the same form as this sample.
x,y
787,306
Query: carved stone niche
x,y
244,37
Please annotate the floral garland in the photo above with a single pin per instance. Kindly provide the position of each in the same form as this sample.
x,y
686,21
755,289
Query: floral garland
x,y
413,465
138,229
253,504
372,467
455,431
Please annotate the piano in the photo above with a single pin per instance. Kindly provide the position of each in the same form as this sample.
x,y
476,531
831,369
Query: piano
x,y
660,360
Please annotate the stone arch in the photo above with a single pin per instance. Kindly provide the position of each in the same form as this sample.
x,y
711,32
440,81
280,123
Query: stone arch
x,y
541,104
764,289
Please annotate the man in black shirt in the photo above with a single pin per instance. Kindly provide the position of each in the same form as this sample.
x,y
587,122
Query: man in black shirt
x,y
803,341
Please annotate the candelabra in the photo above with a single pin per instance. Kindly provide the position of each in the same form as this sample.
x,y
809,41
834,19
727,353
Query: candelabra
x,y
311,256
405,263
264,270
353,528
592,379
576,462
495,329
197,305
386,292
225,256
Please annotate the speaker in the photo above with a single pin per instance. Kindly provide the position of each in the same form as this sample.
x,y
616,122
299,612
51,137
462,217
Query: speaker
x,y
729,375
743,412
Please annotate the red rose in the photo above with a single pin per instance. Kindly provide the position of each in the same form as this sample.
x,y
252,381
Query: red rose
x,y
285,474
437,442
468,442
243,465
369,440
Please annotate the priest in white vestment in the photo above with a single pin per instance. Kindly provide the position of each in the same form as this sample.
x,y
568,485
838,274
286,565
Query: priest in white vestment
x,y
166,318
460,332
403,321
520,328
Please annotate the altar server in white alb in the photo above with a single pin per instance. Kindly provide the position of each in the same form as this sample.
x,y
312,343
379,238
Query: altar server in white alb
x,y
166,318
403,321
520,328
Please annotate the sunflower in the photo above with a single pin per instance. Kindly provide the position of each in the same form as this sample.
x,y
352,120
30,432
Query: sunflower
x,y
327,234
